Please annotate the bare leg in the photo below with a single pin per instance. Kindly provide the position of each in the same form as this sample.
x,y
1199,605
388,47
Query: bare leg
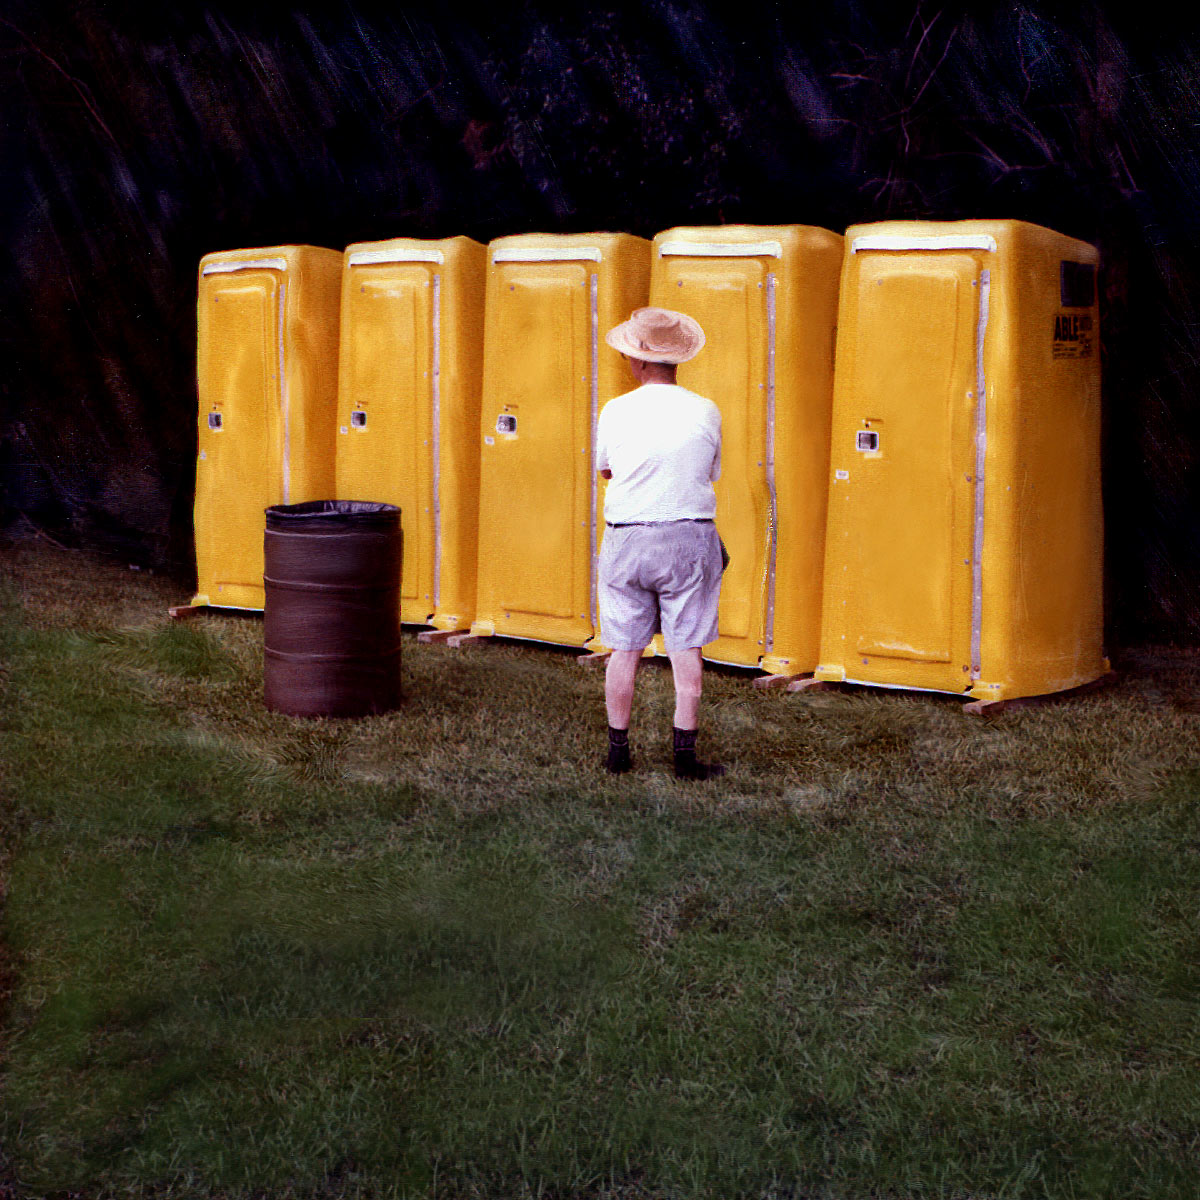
x,y
688,669
618,686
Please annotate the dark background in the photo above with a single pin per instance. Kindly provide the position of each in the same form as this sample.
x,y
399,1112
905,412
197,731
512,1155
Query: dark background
x,y
136,139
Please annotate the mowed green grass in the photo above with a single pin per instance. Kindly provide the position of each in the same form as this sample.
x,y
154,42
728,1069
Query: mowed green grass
x,y
897,951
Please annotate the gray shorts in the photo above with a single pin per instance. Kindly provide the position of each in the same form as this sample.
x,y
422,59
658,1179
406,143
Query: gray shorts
x,y
657,578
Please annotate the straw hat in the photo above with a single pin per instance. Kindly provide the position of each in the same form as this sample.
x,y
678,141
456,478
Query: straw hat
x,y
657,335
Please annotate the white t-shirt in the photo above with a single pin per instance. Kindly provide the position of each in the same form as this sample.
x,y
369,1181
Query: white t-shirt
x,y
662,444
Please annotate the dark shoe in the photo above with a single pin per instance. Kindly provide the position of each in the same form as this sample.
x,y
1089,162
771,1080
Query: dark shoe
x,y
619,759
687,765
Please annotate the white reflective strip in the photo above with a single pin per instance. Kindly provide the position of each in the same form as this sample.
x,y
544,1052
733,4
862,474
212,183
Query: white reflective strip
x,y
283,405
362,258
436,372
773,513
245,264
594,284
985,287
721,249
546,254
896,241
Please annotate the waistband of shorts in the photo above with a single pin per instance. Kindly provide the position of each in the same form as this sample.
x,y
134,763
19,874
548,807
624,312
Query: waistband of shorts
x,y
678,521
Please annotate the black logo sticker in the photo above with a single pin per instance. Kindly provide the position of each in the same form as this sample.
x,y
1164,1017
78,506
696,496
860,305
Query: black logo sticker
x,y
1073,335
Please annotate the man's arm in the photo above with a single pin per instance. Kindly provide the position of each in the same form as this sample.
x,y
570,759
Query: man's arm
x,y
602,446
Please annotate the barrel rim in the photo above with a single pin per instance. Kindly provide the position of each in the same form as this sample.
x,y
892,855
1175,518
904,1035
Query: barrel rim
x,y
351,513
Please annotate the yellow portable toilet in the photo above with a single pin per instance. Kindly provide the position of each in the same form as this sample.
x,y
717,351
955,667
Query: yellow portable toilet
x,y
964,548
547,372
766,297
411,359
266,375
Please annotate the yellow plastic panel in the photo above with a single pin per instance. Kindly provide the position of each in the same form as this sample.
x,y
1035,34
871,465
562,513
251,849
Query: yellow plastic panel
x,y
1042,626
728,297
909,501
547,372
900,520
408,409
766,297
266,364
964,536
310,363
239,467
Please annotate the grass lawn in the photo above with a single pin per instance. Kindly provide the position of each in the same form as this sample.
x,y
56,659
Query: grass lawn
x,y
896,952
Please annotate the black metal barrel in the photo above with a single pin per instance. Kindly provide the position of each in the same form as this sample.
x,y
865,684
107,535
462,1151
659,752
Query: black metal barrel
x,y
331,622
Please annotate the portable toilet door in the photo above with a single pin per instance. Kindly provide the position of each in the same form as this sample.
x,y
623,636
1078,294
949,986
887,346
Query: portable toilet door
x,y
766,298
964,548
547,372
266,376
411,360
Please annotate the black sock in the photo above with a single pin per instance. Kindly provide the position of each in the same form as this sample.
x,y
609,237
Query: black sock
x,y
618,759
687,765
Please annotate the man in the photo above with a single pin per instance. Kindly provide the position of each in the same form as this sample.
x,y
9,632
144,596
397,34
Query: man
x,y
661,560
